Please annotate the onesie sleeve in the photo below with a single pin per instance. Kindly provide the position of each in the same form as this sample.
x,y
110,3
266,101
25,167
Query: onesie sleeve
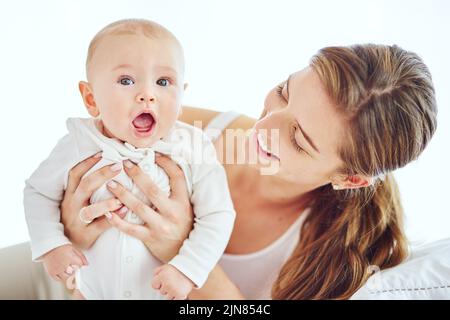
x,y
43,193
214,219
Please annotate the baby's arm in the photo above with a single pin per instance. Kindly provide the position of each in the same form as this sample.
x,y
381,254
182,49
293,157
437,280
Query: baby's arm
x,y
43,193
42,196
43,219
214,220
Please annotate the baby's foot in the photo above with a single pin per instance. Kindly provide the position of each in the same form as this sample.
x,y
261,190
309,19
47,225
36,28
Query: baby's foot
x,y
172,283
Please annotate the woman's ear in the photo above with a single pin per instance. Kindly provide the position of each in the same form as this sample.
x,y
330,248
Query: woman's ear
x,y
88,98
353,182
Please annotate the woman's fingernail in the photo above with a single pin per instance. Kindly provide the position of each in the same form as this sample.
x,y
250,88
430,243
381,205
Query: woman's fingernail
x,y
128,164
69,270
157,154
123,210
98,155
112,184
108,215
116,167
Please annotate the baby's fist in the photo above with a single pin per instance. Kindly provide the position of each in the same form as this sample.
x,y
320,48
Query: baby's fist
x,y
171,282
59,261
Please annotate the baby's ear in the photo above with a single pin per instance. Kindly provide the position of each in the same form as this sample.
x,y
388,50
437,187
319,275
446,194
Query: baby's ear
x,y
88,98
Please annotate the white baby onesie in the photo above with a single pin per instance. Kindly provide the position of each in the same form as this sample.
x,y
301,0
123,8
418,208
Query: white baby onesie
x,y
120,266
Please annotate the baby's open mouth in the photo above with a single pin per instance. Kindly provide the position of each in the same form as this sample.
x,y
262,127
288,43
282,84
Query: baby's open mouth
x,y
144,123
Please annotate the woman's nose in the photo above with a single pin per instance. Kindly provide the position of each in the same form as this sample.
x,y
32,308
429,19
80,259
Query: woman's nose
x,y
145,97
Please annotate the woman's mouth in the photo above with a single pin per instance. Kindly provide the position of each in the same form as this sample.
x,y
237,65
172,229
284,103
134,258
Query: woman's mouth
x,y
144,124
263,150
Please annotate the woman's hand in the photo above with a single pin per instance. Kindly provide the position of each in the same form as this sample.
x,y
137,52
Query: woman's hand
x,y
76,199
165,228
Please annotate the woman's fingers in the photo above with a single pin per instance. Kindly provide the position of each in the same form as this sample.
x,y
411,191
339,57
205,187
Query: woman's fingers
x,y
97,227
100,208
77,172
176,177
148,187
150,216
134,230
95,180
122,212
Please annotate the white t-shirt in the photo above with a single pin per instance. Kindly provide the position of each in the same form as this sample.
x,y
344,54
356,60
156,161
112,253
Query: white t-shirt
x,y
120,266
255,273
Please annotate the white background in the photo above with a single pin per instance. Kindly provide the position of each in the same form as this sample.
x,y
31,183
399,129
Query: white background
x,y
236,51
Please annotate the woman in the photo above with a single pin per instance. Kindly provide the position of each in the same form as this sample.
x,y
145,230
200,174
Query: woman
x,y
314,228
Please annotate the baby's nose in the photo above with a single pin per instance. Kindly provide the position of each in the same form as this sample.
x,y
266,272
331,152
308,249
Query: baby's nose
x,y
145,97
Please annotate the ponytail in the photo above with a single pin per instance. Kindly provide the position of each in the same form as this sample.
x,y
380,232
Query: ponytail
x,y
345,233
386,96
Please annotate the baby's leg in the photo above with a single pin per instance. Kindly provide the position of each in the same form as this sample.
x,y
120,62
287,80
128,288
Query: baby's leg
x,y
171,282
76,295
72,287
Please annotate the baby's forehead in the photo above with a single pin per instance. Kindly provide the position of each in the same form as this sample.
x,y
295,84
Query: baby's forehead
x,y
130,42
130,48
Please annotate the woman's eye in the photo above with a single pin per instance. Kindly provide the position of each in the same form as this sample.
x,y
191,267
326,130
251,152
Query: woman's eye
x,y
126,81
162,82
279,90
294,142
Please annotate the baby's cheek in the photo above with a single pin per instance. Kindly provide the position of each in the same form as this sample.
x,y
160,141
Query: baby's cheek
x,y
168,116
164,127
116,126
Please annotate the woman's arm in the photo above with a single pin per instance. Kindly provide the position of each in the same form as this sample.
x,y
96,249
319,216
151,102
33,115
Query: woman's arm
x,y
217,287
190,115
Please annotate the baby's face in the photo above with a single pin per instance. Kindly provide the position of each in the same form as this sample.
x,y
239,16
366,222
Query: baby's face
x,y
137,86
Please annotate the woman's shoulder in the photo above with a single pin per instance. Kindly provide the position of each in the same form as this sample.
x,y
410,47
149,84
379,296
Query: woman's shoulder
x,y
198,116
202,117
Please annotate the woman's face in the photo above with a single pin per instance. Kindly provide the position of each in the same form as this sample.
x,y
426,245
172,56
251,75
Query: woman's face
x,y
302,129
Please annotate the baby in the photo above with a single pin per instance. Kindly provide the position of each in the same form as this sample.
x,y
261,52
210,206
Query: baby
x,y
135,73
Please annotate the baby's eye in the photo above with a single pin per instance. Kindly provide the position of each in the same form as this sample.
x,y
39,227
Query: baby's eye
x,y
126,81
162,82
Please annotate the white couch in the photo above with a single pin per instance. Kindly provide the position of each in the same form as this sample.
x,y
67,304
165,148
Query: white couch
x,y
425,275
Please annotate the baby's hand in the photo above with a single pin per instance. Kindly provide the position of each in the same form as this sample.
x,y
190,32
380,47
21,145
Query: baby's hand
x,y
171,283
61,262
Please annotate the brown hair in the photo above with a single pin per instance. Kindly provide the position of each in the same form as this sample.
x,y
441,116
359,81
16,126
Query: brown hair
x,y
387,96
